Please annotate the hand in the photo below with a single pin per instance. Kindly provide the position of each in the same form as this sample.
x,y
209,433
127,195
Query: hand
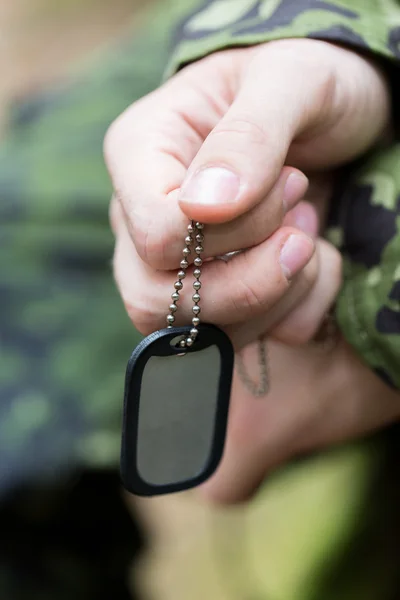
x,y
230,296
211,144
318,398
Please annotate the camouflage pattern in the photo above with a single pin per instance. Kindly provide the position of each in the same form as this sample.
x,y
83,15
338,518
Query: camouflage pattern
x,y
368,308
64,336
367,25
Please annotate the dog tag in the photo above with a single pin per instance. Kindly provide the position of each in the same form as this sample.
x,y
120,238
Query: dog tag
x,y
176,409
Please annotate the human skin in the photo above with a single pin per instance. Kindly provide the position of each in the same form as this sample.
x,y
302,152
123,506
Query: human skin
x,y
316,107
227,141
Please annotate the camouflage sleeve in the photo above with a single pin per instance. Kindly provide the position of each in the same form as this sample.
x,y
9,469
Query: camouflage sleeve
x,y
365,226
367,25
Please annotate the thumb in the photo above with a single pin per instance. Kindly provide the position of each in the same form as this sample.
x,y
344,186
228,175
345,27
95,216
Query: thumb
x,y
280,94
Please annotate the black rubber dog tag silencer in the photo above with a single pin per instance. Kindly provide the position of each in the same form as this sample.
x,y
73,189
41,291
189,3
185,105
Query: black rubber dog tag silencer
x,y
175,410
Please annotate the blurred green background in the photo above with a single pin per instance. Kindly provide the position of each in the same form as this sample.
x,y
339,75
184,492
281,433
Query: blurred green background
x,y
39,39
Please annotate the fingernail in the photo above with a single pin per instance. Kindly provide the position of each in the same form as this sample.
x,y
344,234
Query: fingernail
x,y
214,185
295,187
295,254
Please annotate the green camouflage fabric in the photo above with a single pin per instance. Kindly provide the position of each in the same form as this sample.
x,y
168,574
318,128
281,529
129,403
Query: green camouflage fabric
x,y
65,338
367,25
368,310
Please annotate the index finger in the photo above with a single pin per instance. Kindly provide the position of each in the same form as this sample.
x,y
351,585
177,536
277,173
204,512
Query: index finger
x,y
148,150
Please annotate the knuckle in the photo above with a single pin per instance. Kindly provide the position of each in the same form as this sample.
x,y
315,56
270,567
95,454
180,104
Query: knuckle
x,y
249,297
159,240
151,240
257,232
150,243
156,246
263,220
244,127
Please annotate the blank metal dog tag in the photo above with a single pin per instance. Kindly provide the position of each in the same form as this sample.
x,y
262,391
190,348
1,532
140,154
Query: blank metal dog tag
x,y
176,410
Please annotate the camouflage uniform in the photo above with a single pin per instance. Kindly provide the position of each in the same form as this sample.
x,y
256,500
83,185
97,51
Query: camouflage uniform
x,y
64,337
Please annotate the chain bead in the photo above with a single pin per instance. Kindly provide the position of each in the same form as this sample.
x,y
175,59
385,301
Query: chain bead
x,y
196,228
194,237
